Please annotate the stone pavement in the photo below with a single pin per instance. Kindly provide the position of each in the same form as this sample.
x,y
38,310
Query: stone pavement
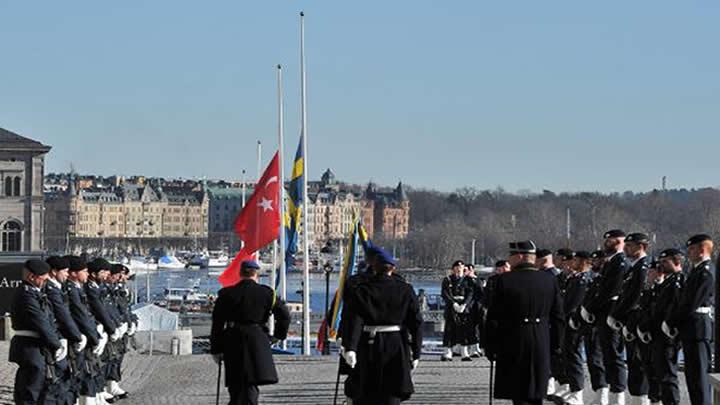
x,y
164,379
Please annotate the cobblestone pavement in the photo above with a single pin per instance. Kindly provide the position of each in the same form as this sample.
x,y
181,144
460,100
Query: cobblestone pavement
x,y
192,380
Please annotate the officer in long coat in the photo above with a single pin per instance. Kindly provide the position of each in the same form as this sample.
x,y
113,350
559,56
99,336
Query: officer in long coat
x,y
526,326
691,322
36,345
664,349
86,359
601,304
457,294
63,388
239,334
383,339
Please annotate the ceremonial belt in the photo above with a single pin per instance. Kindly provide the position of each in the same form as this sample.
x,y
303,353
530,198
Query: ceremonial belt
x,y
27,333
703,310
614,298
373,330
459,297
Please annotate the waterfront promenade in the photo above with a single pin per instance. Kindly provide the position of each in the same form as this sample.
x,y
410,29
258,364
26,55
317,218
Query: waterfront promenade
x,y
191,380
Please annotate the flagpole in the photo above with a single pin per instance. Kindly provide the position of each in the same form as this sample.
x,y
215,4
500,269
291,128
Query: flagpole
x,y
281,200
306,254
244,189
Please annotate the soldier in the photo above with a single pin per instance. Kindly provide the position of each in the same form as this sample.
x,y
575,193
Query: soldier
x,y
383,337
36,346
64,390
691,322
644,309
526,326
475,310
593,351
564,257
544,262
121,300
633,283
577,285
601,305
457,293
664,348
239,334
501,267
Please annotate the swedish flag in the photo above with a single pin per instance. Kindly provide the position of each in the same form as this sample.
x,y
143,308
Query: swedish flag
x,y
293,213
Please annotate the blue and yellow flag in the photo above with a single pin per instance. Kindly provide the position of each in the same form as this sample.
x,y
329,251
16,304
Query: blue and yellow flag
x,y
357,237
293,213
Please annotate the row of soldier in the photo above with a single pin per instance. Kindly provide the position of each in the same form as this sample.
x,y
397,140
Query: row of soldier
x,y
621,314
72,326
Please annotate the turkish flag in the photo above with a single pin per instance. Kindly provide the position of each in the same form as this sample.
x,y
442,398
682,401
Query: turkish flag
x,y
258,223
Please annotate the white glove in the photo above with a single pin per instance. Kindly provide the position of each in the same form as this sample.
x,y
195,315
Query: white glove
x,y
587,316
131,331
415,363
217,358
613,323
116,335
456,307
627,334
645,337
572,324
123,328
100,348
100,328
350,358
80,346
462,308
62,352
666,330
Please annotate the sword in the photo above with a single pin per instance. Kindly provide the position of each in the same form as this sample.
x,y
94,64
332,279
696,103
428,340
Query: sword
x,y
217,391
492,371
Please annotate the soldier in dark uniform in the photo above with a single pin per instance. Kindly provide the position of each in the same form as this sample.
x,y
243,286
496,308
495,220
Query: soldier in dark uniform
x,y
501,266
691,322
557,385
564,258
383,338
120,298
664,349
86,359
36,346
633,283
64,389
601,305
239,334
544,262
526,326
475,311
457,293
577,284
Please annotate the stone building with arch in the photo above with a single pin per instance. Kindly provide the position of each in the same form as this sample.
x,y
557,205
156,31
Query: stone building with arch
x,y
22,166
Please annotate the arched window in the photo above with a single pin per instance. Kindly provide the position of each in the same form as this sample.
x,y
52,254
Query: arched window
x,y
16,186
11,237
8,186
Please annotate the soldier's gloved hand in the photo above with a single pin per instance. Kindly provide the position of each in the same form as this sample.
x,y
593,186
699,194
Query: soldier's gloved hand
x,y
627,334
586,315
613,323
61,353
116,335
350,358
645,337
80,346
666,330
572,324
131,331
123,328
217,358
415,363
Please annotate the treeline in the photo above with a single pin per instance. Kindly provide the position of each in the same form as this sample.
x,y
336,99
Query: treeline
x,y
443,225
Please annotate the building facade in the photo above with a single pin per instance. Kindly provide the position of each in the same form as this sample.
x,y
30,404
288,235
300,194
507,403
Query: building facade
x,y
225,203
22,166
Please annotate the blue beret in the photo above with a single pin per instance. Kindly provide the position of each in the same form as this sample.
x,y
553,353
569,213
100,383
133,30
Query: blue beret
x,y
250,264
57,262
37,267
583,255
99,265
637,238
385,257
614,233
670,253
76,263
543,253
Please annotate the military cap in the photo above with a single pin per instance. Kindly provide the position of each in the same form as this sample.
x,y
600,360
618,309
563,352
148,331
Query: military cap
x,y
698,239
501,263
583,255
670,253
99,265
637,237
653,264
598,254
76,263
543,253
37,267
250,264
116,268
458,263
566,254
614,233
522,247
385,258
57,262
372,251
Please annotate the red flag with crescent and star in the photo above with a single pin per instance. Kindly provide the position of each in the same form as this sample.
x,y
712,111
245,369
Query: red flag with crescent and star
x,y
258,224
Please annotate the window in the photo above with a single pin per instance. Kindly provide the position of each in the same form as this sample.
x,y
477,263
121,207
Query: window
x,y
8,186
11,237
16,186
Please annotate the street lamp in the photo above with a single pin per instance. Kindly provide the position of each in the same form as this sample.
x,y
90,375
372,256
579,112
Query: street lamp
x,y
327,250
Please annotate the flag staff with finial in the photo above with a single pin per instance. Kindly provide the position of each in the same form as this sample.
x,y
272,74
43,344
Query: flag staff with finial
x,y
306,253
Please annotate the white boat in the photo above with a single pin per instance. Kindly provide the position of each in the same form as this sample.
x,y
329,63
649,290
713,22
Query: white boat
x,y
170,262
218,260
185,299
141,264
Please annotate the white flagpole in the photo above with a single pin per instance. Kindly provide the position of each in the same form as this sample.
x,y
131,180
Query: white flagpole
x,y
281,201
306,255
244,190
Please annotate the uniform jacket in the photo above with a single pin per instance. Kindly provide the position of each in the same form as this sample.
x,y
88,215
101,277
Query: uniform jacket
x,y
31,312
631,289
78,303
58,299
613,273
526,324
698,292
98,307
665,300
240,332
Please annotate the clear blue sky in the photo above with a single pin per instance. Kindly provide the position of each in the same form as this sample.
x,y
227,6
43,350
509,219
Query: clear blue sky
x,y
561,95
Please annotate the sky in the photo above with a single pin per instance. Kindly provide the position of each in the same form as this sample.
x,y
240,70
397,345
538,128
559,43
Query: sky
x,y
557,95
